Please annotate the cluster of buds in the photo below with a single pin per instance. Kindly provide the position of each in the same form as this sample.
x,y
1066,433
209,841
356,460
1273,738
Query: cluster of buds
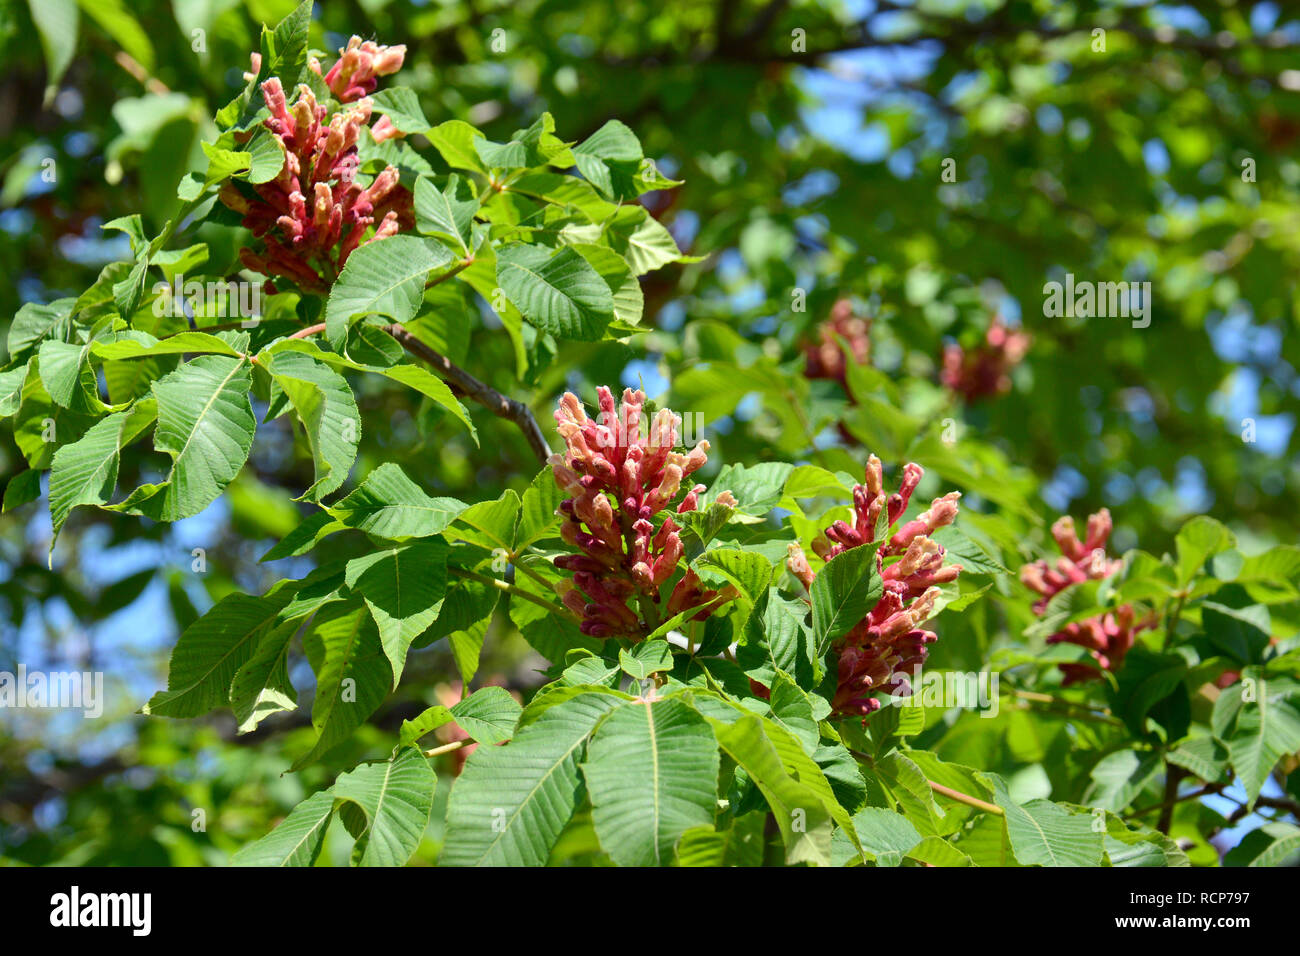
x,y
825,358
1107,637
619,481
314,213
888,645
984,371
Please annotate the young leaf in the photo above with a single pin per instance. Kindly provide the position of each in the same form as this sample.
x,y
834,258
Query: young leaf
x,y
842,594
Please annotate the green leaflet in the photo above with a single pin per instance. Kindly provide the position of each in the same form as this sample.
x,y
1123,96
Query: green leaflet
x,y
212,650
384,278
206,425
651,770
510,803
329,416
557,291
353,675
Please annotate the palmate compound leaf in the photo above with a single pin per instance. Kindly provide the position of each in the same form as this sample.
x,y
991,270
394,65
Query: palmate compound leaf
x,y
558,291
386,806
206,424
385,278
510,803
329,416
652,772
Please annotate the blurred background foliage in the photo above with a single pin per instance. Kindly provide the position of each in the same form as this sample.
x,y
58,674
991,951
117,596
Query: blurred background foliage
x,y
934,163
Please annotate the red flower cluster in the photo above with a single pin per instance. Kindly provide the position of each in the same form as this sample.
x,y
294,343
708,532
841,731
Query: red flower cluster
x,y
825,358
619,480
984,371
314,213
1107,637
886,646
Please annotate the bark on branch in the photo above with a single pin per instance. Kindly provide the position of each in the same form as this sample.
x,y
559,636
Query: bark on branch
x,y
500,405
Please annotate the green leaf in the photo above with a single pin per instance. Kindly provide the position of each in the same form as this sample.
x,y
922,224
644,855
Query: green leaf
x,y
1198,540
402,107
23,488
1045,833
489,715
510,803
329,415
12,382
1273,844
489,524
212,650
84,472
391,505
642,240
206,424
800,810
385,278
68,377
842,594
395,799
610,158
261,686
1119,777
56,22
454,139
442,213
134,344
886,835
353,676
35,321
646,658
298,838
652,771
557,291
538,509
1267,728
403,588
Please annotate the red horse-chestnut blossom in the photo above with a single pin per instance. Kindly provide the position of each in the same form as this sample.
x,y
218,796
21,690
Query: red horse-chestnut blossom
x,y
619,480
985,370
825,358
1107,637
314,213
886,647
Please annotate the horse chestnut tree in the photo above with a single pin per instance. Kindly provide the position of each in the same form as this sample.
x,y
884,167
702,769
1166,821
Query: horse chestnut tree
x,y
735,652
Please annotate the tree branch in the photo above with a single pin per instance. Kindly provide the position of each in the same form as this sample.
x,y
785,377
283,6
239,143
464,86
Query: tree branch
x,y
500,405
